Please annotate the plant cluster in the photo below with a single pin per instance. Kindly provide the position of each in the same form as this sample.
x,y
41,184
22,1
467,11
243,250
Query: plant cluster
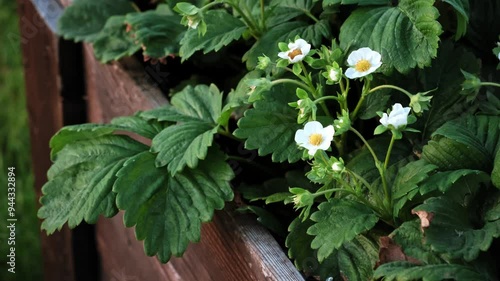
x,y
382,132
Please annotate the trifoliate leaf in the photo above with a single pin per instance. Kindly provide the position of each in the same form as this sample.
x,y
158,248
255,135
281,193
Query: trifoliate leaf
x,y
271,125
339,221
285,32
413,40
159,32
84,19
403,270
450,230
166,211
222,29
81,180
198,109
114,42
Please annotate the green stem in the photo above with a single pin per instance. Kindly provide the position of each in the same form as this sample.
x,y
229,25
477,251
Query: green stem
x,y
388,155
366,144
262,14
360,178
250,23
292,81
332,190
490,84
354,114
314,93
135,6
209,5
326,98
391,87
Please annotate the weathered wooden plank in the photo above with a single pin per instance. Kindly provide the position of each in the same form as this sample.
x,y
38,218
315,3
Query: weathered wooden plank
x,y
40,53
232,247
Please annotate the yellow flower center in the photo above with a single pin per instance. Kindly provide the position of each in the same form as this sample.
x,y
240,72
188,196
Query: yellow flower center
x,y
362,65
315,139
294,53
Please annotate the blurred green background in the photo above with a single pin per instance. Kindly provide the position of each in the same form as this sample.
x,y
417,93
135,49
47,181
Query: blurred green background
x,y
15,152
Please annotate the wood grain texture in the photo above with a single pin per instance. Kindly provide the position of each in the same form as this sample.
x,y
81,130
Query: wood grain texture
x,y
40,60
232,247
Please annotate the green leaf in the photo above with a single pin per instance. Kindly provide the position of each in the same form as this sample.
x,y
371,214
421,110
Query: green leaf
x,y
451,231
407,182
183,144
198,109
84,19
81,180
114,42
402,271
285,32
462,9
270,126
73,133
354,260
222,29
356,2
166,211
266,218
444,181
374,103
470,142
411,239
159,32
339,221
413,40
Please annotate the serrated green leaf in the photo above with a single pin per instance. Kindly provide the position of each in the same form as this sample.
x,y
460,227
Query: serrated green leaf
x,y
114,42
270,126
355,2
198,110
450,230
407,182
266,218
405,271
339,221
84,19
159,32
183,144
222,29
134,124
413,40
166,211
285,32
374,103
470,142
81,179
411,239
462,9
354,260
444,181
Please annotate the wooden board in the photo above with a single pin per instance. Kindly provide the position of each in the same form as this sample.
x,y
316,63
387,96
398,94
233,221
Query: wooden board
x,y
43,88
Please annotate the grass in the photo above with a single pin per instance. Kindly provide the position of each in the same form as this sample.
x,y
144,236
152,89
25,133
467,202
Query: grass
x,y
15,152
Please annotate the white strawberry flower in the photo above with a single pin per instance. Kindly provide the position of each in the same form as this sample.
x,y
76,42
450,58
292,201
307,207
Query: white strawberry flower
x,y
296,51
193,22
314,137
362,62
397,118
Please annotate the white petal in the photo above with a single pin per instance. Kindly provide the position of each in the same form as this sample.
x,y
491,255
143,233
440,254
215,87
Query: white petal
x,y
305,49
313,127
284,55
399,120
374,58
354,57
324,145
397,107
328,133
384,120
312,150
352,73
301,137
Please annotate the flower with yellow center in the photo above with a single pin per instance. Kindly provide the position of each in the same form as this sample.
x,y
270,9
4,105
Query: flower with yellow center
x,y
314,137
296,51
362,62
